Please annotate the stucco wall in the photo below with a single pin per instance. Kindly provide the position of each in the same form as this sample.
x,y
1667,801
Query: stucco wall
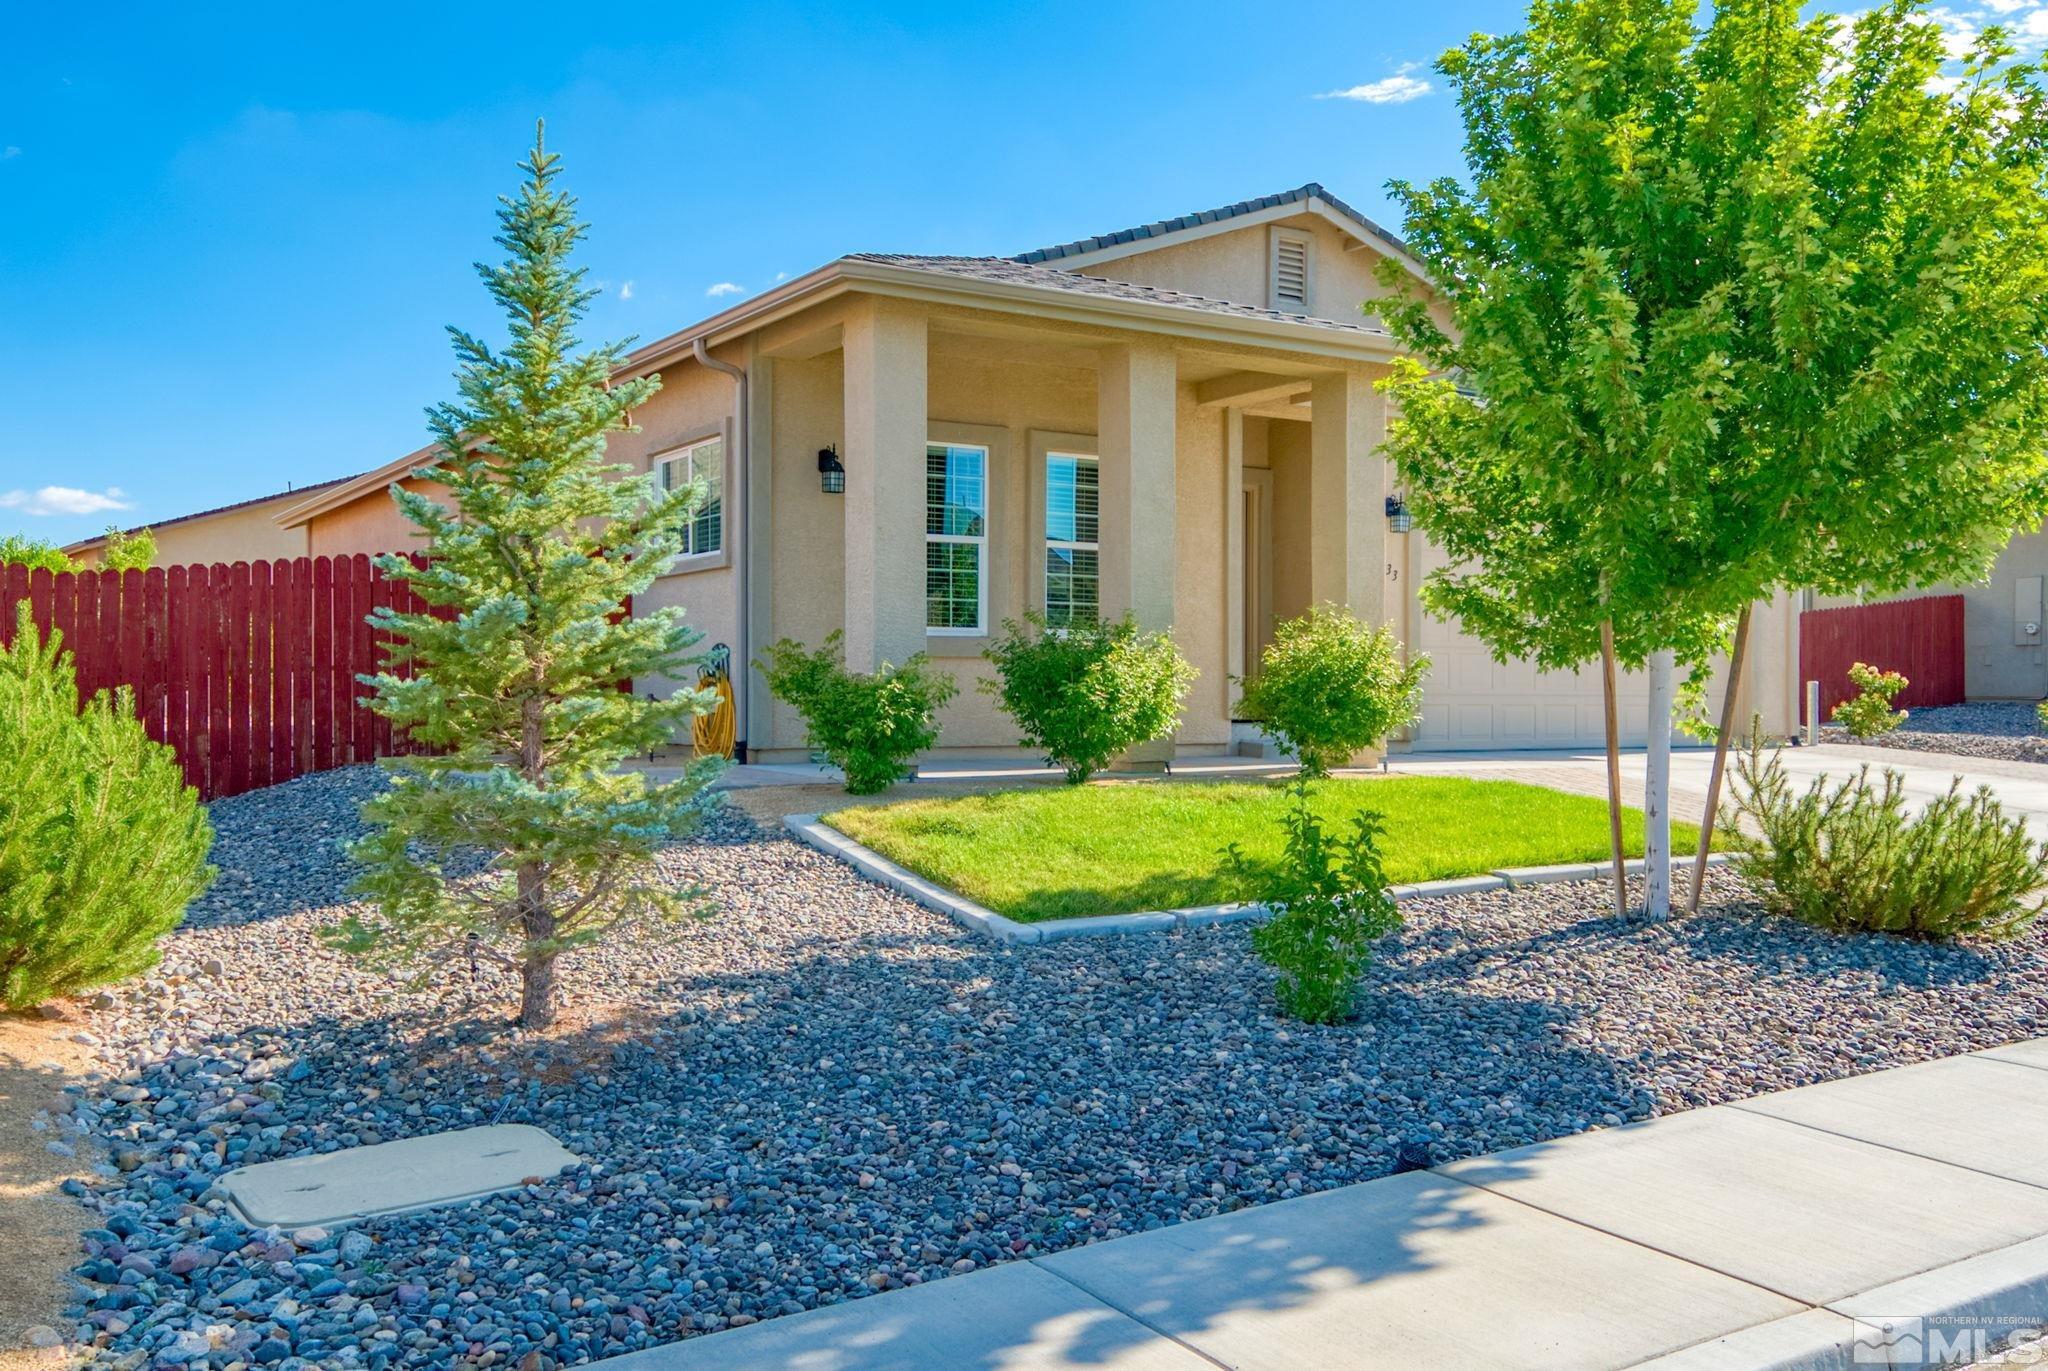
x,y
1236,265
369,523
247,534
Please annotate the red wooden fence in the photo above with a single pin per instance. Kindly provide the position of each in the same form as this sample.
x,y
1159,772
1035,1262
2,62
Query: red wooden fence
x,y
248,671
1921,638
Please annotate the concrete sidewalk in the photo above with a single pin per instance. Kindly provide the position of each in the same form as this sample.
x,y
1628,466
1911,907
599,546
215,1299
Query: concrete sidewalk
x,y
1878,1220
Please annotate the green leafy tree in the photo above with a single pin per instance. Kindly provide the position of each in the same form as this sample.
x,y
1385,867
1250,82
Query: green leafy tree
x,y
34,554
102,844
128,551
1087,693
1747,310
1331,685
519,676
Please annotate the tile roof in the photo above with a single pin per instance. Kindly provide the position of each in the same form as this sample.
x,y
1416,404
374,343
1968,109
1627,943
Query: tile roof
x,y
1009,271
1162,227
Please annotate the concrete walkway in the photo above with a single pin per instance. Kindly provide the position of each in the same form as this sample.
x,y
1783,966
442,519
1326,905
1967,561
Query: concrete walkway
x,y
1871,1221
2021,787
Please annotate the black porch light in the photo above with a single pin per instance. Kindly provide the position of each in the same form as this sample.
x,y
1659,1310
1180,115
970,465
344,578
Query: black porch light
x,y
1399,520
831,471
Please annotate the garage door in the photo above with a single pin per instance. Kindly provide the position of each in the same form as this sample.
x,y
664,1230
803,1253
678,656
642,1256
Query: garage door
x,y
1471,701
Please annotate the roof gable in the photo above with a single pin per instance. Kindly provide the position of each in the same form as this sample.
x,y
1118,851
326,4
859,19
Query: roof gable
x,y
1311,198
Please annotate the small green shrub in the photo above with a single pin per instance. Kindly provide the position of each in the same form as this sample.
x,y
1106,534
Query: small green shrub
x,y
2041,714
102,844
1870,712
868,724
1329,905
1848,856
1088,693
1330,686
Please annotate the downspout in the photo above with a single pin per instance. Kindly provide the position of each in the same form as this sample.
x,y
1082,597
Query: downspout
x,y
742,660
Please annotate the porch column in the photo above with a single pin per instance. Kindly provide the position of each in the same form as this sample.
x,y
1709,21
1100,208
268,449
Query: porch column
x,y
885,345
1134,416
1347,496
1135,429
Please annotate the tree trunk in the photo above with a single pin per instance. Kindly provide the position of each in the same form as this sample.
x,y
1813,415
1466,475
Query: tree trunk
x,y
1613,766
1657,790
538,998
1731,702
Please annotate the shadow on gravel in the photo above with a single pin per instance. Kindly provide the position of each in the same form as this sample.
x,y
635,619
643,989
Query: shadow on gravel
x,y
783,1137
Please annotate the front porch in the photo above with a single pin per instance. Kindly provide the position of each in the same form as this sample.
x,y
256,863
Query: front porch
x,y
998,464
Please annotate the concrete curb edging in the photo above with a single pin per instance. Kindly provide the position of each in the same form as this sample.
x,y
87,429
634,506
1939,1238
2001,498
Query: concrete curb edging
x,y
813,830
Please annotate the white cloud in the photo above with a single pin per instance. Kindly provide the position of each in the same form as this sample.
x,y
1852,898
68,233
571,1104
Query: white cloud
x,y
1397,89
64,500
725,288
9,153
626,290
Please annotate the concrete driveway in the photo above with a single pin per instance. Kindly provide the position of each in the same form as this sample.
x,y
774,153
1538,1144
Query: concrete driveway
x,y
2022,787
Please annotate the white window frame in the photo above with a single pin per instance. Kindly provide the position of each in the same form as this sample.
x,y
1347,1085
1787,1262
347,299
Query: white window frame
x,y
692,557
978,541
1052,544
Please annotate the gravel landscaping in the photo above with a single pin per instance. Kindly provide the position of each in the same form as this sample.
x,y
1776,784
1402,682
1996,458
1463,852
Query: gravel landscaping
x,y
824,1090
2002,729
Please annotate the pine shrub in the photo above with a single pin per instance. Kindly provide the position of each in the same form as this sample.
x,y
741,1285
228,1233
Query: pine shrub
x,y
1869,712
1848,856
1086,694
868,724
102,844
1330,686
1329,904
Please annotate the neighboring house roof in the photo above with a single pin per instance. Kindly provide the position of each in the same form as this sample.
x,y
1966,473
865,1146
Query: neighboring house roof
x,y
1014,271
99,540
1308,196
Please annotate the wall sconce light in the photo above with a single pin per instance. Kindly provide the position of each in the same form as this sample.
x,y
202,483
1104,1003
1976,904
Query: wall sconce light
x,y
831,471
1399,520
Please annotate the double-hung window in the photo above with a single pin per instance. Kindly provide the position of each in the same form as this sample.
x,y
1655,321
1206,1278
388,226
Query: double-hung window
x,y
1073,508
955,538
704,530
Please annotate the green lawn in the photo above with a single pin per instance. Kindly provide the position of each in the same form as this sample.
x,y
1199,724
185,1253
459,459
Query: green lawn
x,y
1111,849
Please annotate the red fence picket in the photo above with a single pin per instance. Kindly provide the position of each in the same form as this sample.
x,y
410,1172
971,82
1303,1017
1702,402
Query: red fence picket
x,y
247,671
1920,638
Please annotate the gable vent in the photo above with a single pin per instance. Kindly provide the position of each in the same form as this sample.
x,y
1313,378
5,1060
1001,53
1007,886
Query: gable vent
x,y
1290,273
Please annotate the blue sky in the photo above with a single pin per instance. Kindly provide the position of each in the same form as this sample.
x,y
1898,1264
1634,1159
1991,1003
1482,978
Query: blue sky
x,y
233,238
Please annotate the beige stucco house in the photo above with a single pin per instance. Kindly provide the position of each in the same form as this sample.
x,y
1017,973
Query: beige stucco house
x,y
1178,419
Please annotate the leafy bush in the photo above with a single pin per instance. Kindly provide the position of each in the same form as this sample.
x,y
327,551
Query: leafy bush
x,y
128,551
34,554
1870,712
102,845
1848,856
1088,693
2041,714
1330,686
1329,905
868,724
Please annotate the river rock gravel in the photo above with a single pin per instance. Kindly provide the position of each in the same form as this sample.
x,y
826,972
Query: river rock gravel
x,y
822,1090
2006,730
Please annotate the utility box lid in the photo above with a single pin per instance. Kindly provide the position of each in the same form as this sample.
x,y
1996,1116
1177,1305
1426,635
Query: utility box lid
x,y
389,1178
